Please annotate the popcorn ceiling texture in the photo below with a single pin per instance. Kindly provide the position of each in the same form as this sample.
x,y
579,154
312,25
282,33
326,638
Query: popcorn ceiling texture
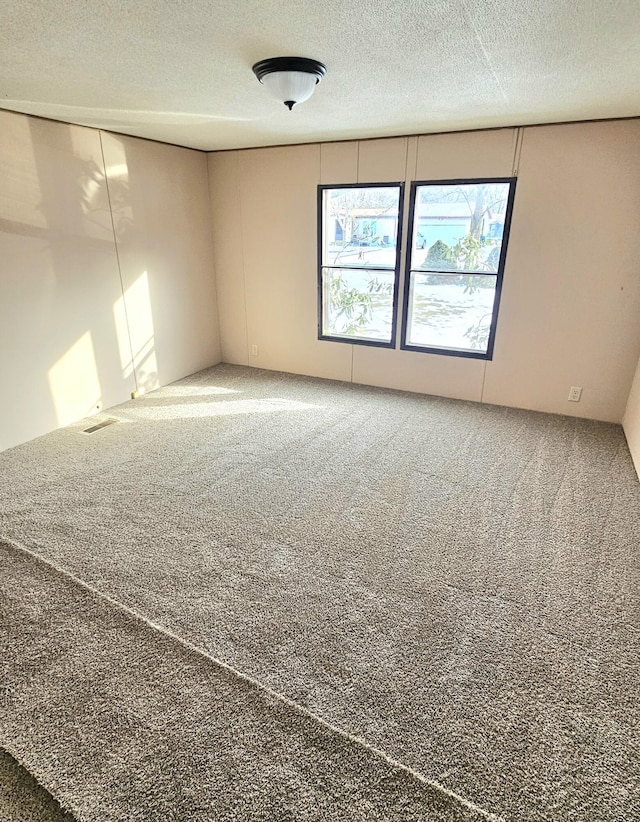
x,y
180,71
453,584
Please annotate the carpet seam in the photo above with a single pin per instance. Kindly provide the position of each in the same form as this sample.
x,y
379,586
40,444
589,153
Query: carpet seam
x,y
194,650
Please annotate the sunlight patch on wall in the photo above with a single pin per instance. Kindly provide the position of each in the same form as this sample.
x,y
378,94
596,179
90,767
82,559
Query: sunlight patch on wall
x,y
92,186
133,319
74,383
93,192
117,174
122,334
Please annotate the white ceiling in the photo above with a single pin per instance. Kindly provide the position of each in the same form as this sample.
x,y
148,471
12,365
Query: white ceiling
x,y
180,70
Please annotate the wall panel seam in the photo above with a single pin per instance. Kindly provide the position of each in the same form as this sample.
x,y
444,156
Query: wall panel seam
x,y
213,265
242,256
117,250
517,152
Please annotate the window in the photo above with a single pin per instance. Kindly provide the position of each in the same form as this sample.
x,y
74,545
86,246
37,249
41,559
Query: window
x,y
459,231
359,231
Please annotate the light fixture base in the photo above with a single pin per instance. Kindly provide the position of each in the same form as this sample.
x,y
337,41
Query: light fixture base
x,y
304,64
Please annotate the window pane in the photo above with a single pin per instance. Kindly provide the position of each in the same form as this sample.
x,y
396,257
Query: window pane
x,y
459,227
360,226
357,304
450,311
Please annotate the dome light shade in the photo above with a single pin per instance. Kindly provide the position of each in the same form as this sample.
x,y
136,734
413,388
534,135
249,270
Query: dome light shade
x,y
290,87
290,79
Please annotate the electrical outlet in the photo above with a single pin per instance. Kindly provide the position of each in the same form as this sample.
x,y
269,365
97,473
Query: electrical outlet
x,y
575,393
254,350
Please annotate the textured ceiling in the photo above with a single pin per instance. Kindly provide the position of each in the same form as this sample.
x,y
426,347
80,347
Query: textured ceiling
x,y
180,71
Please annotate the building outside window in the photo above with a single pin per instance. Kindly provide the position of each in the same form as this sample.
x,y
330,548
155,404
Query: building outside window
x,y
359,231
455,265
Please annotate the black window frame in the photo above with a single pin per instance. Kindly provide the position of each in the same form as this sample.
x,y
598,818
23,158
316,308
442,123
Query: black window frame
x,y
396,281
499,275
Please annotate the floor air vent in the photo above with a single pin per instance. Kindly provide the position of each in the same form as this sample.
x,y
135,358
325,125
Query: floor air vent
x,y
100,425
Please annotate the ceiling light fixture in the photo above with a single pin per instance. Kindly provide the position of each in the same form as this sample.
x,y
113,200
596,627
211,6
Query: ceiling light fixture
x,y
290,79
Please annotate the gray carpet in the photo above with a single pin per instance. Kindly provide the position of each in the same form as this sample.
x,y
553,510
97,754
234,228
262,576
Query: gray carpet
x,y
455,584
22,799
124,722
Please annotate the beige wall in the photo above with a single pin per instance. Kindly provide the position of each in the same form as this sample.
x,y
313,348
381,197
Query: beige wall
x,y
159,198
107,267
631,421
571,293
571,297
84,319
